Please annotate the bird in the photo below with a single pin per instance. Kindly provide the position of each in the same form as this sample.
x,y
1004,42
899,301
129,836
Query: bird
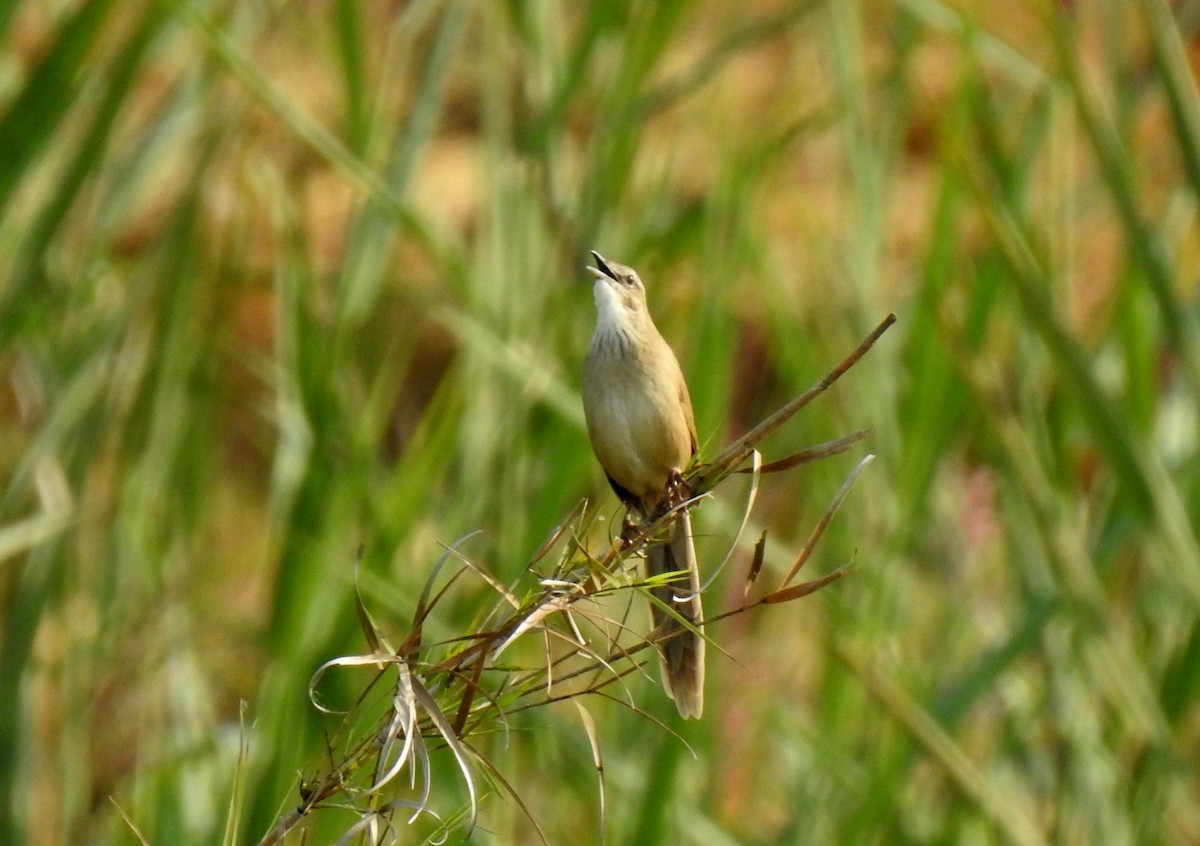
x,y
643,432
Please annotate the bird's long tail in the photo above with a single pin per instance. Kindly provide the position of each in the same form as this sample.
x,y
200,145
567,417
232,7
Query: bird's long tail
x,y
681,652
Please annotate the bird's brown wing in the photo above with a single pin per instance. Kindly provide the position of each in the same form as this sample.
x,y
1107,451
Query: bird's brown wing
x,y
685,403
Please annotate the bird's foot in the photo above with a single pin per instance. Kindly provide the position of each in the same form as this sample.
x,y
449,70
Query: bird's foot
x,y
678,490
631,531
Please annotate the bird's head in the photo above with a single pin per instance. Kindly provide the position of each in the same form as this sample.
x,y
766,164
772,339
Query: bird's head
x,y
619,291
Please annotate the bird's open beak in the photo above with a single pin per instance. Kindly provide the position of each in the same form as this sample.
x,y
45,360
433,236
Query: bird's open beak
x,y
602,270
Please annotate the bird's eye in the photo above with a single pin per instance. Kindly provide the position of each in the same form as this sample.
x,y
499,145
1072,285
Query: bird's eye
x,y
627,280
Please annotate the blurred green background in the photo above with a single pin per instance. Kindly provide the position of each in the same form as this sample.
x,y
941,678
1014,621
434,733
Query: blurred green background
x,y
278,279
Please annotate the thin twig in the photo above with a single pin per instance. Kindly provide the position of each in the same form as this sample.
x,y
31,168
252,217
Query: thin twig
x,y
737,452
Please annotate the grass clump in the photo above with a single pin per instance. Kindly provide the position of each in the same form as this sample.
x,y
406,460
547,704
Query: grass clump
x,y
443,694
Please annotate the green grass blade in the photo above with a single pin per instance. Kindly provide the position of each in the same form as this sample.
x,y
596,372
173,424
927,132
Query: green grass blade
x,y
48,93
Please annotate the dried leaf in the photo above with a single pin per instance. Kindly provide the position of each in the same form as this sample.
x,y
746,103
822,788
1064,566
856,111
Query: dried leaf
x,y
550,605
423,604
760,551
750,499
558,532
369,629
811,454
737,452
426,701
589,726
819,530
403,725
805,588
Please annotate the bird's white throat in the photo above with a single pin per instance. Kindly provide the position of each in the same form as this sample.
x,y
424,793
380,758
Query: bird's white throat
x,y
610,310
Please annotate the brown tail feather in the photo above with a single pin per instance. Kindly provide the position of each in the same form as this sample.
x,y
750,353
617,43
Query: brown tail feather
x,y
682,656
